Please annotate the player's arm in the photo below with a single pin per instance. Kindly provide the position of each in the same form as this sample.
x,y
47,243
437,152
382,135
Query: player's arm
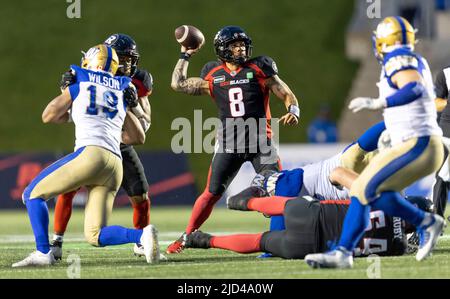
x,y
441,91
341,176
181,83
132,131
57,111
284,93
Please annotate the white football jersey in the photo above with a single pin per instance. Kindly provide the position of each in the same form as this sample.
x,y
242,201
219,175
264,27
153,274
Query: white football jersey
x,y
98,109
415,119
316,182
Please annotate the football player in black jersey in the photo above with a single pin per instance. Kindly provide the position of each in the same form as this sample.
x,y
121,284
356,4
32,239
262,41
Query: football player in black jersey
x,y
134,179
240,87
311,226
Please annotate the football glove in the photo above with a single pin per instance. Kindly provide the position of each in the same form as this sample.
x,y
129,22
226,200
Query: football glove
x,y
359,104
130,96
67,79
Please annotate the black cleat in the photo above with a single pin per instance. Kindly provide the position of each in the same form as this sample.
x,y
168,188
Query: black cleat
x,y
240,200
56,249
198,239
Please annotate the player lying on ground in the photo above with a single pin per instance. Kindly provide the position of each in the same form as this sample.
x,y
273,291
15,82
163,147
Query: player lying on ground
x,y
99,104
407,99
240,87
134,180
311,226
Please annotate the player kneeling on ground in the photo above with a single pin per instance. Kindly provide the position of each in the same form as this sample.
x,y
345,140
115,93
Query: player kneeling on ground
x,y
99,104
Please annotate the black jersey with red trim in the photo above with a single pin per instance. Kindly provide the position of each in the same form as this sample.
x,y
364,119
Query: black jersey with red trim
x,y
241,95
384,236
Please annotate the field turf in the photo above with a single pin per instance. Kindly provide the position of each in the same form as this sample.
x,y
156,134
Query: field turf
x,y
16,241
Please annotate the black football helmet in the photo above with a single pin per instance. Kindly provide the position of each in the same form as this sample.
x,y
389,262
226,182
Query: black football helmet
x,y
228,35
125,47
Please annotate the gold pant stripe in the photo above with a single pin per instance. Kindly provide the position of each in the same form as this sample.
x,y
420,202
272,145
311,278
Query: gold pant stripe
x,y
392,179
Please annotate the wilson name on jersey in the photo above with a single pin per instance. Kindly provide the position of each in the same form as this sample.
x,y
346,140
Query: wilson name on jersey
x,y
98,108
241,98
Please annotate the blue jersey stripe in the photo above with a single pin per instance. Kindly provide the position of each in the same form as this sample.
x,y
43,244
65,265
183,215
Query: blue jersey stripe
x,y
49,170
402,25
394,166
109,59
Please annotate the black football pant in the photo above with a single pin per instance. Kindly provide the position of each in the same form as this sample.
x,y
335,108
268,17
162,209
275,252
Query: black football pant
x,y
225,166
134,180
301,236
441,186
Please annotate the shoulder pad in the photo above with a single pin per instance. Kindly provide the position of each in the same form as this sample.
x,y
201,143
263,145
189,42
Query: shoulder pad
x,y
143,81
266,64
80,73
208,67
398,60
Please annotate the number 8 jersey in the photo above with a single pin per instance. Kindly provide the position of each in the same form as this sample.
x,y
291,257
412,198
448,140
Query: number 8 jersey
x,y
241,94
98,108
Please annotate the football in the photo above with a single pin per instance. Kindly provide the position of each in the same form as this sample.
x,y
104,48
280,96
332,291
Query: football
x,y
189,36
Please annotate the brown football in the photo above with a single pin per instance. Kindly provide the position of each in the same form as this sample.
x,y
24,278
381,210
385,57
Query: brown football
x,y
189,36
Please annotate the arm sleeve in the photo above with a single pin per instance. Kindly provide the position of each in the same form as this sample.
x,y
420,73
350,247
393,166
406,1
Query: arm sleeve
x,y
441,85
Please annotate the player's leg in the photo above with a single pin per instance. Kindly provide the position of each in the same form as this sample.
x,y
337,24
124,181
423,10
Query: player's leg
x,y
57,178
224,168
441,184
63,211
135,184
99,208
241,243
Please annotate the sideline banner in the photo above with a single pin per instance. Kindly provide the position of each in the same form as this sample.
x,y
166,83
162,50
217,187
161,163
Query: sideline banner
x,y
168,174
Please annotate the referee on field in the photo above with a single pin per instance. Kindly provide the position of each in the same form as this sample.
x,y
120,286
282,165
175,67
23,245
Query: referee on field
x,y
441,185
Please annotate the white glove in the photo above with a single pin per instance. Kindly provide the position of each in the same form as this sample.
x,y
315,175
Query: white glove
x,y
359,104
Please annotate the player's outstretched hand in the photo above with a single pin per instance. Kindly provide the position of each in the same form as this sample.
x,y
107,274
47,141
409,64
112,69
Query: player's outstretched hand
x,y
130,96
362,103
289,119
67,79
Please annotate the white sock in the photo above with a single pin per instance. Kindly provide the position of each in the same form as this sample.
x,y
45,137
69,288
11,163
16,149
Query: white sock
x,y
58,238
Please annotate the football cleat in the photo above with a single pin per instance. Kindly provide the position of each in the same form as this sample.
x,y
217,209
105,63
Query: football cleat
x,y
178,245
149,241
56,249
265,255
337,258
198,239
36,258
429,234
239,201
138,250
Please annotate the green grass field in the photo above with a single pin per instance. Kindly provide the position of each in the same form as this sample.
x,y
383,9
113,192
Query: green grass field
x,y
16,241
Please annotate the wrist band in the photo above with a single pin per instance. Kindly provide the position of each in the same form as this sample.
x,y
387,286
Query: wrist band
x,y
294,110
185,56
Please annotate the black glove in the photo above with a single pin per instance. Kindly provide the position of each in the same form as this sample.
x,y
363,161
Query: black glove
x,y
67,79
130,96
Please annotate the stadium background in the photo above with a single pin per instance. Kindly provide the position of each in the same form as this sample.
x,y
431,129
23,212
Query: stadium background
x,y
322,48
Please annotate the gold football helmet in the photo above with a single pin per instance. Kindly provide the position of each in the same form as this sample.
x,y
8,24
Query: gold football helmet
x,y
391,33
101,57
